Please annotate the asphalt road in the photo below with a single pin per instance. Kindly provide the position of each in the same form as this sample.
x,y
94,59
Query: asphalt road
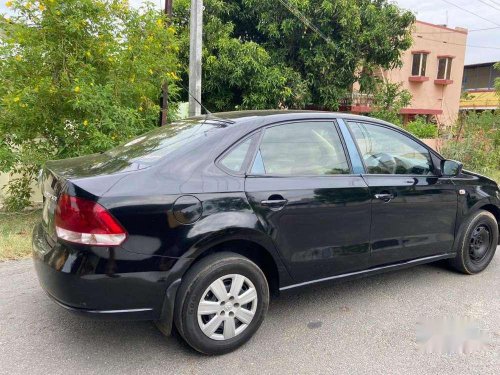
x,y
366,326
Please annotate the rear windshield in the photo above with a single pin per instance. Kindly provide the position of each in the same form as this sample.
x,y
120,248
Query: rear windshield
x,y
160,142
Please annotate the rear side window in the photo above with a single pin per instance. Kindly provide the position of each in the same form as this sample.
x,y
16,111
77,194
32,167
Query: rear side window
x,y
235,158
305,148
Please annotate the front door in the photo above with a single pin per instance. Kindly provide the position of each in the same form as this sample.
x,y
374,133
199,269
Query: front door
x,y
302,189
413,210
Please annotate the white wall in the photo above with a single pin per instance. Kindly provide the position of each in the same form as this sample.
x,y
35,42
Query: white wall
x,y
36,196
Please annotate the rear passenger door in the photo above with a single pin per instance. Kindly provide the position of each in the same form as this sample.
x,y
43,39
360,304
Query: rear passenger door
x,y
413,209
301,187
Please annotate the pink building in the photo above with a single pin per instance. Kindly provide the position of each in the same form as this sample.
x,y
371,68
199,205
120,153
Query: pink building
x,y
432,72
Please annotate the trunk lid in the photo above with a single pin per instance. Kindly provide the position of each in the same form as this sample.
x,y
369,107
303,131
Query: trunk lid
x,y
87,176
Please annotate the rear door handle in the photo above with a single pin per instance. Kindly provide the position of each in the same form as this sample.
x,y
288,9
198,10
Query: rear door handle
x,y
386,197
274,204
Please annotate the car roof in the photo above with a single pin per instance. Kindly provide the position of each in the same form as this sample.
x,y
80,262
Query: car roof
x,y
270,116
249,120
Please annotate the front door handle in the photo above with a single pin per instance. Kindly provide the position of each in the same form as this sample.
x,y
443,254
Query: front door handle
x,y
386,197
274,203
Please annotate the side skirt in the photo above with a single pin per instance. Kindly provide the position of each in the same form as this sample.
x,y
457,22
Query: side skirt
x,y
374,271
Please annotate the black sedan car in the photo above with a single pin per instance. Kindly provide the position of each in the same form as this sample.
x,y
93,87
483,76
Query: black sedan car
x,y
194,225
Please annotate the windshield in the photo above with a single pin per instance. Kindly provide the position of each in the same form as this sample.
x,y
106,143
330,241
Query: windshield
x,y
154,145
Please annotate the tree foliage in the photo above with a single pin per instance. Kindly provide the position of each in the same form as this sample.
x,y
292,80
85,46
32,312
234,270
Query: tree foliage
x,y
263,54
388,99
236,73
77,77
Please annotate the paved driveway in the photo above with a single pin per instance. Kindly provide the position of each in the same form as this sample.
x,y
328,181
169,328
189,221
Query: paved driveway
x,y
366,326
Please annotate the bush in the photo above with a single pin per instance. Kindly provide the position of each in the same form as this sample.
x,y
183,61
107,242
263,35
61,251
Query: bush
x,y
475,141
421,128
77,77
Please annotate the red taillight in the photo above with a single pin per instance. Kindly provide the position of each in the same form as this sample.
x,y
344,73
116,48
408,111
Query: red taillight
x,y
82,221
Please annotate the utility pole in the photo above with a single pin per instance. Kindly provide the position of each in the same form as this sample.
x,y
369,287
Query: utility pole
x,y
164,97
195,41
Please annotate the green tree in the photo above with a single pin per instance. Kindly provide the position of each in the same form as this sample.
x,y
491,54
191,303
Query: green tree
x,y
388,99
77,77
236,73
293,53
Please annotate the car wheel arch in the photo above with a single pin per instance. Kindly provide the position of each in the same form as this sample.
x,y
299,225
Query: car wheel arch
x,y
494,210
254,250
483,205
250,243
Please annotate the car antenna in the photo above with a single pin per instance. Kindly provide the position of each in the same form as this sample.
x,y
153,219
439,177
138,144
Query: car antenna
x,y
196,100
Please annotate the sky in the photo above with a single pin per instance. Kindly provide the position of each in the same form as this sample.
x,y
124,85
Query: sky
x,y
487,15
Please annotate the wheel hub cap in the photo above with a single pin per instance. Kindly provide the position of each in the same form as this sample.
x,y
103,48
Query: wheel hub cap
x,y
227,307
479,243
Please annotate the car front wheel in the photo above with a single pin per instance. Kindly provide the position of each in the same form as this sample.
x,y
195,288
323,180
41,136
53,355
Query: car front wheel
x,y
477,243
221,303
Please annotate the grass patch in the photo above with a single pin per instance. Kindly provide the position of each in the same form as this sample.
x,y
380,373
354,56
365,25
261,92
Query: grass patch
x,y
15,234
495,175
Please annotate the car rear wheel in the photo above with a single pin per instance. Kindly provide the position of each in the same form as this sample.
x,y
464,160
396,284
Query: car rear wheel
x,y
221,303
478,243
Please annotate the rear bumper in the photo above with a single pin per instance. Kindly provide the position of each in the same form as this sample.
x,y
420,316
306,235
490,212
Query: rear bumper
x,y
130,314
102,282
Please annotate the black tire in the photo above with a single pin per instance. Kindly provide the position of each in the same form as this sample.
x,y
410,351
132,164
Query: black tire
x,y
474,255
193,288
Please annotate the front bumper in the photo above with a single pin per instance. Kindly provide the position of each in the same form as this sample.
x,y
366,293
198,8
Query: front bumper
x,y
102,282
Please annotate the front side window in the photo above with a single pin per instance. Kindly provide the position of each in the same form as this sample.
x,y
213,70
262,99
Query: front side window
x,y
419,64
387,151
305,148
444,68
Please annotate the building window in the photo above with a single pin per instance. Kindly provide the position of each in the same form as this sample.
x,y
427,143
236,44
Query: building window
x,y
444,67
419,63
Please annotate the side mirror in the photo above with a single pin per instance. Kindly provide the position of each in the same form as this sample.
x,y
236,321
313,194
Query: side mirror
x,y
451,168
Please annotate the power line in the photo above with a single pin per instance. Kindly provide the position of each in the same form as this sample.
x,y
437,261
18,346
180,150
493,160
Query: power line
x,y
488,4
454,31
458,44
468,11
301,17
486,28
309,24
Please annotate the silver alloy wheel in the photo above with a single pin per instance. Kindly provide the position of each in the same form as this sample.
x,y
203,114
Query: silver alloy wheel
x,y
227,307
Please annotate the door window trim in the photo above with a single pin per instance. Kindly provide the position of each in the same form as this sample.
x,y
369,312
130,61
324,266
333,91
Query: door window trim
x,y
335,125
402,132
358,167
